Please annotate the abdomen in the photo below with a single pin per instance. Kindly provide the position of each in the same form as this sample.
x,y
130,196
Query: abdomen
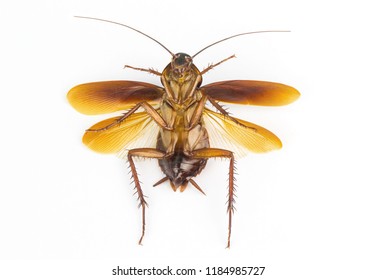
x,y
179,167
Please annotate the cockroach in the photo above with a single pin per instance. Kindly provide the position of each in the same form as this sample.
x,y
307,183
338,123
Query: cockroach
x,y
173,123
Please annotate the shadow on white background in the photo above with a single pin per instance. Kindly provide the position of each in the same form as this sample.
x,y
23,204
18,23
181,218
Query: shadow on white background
x,y
304,212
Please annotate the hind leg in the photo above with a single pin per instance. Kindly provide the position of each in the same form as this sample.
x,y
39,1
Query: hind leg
x,y
215,153
145,153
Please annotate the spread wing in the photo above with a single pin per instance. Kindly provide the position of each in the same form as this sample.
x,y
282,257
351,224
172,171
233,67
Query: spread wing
x,y
138,130
111,96
251,92
238,138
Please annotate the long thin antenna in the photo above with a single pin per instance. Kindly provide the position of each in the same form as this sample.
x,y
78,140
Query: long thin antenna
x,y
237,35
127,26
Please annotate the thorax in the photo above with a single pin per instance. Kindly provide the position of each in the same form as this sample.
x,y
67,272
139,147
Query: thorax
x,y
179,104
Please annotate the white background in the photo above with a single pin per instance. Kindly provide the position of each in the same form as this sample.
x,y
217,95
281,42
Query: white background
x,y
305,212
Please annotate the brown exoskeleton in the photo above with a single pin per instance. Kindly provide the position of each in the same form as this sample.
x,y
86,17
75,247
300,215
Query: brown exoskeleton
x,y
173,122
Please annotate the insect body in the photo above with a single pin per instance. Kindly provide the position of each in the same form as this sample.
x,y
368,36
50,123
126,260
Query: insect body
x,y
174,124
182,110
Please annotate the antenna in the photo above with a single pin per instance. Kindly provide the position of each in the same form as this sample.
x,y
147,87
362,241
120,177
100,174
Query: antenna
x,y
237,35
127,26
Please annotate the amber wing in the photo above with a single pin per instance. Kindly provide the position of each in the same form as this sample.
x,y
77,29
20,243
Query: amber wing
x,y
240,136
251,92
139,130
111,96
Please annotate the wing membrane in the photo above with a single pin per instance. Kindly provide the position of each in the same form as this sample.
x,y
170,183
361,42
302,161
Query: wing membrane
x,y
138,130
251,92
111,96
224,133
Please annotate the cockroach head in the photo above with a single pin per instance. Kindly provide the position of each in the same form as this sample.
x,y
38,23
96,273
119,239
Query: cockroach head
x,y
181,63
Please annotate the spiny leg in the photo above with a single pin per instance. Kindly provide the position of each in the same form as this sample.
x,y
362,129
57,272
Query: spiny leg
x,y
213,153
146,153
211,66
149,70
226,114
148,109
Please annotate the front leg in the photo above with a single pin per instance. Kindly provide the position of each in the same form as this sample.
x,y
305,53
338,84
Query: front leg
x,y
150,70
211,66
146,153
214,153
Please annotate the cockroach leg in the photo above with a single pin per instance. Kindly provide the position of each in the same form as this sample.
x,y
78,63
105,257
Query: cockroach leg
x,y
148,109
211,66
214,153
149,70
146,153
226,114
197,114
